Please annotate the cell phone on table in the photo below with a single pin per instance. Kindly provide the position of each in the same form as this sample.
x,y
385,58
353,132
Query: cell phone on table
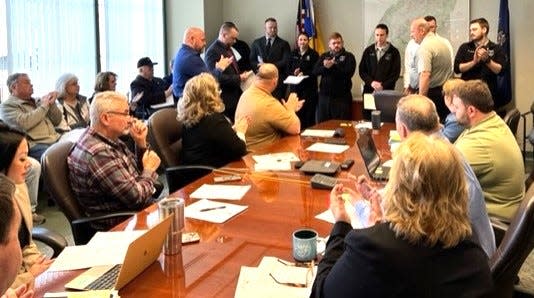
x,y
190,237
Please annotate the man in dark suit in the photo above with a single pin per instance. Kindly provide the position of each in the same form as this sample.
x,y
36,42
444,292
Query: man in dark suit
x,y
230,79
271,49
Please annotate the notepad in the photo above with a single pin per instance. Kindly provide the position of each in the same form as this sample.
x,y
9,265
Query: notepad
x,y
212,211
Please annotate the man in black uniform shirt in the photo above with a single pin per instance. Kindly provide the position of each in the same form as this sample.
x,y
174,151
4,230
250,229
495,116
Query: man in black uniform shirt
x,y
482,59
336,68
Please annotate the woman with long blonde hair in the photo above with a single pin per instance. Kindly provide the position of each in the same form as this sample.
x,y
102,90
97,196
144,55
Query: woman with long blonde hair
x,y
422,247
208,137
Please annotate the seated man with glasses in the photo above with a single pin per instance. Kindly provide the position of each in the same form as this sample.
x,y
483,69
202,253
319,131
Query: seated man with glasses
x,y
104,174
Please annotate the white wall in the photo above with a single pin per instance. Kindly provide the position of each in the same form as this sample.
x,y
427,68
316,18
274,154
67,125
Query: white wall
x,y
346,16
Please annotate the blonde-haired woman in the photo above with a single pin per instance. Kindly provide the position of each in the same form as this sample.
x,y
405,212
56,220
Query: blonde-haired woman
x,y
73,106
451,128
422,246
208,137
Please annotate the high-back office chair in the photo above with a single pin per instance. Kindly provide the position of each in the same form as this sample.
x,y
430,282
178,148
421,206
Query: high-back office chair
x,y
165,137
51,239
528,136
56,178
386,101
516,245
511,118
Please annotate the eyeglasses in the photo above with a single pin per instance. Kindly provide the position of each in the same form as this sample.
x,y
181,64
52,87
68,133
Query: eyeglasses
x,y
125,114
309,275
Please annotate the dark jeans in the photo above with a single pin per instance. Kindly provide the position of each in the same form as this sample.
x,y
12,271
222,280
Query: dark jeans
x,y
339,108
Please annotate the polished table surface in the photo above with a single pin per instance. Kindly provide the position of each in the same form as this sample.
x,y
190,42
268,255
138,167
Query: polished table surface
x,y
278,203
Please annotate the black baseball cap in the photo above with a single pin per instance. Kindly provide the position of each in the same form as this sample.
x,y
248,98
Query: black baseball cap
x,y
145,61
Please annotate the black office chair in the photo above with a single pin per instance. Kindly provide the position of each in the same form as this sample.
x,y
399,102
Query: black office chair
x,y
50,238
386,101
511,118
530,135
56,178
165,137
516,245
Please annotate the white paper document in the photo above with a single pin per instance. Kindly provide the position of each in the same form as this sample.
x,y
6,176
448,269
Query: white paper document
x,y
84,294
365,124
212,211
322,133
260,281
105,248
294,80
85,256
328,148
105,239
277,157
369,101
280,161
221,192
272,166
169,102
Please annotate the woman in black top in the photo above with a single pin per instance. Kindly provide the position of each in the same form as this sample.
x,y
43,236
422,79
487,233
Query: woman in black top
x,y
208,136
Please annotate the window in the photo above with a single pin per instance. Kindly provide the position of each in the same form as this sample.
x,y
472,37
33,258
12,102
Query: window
x,y
48,38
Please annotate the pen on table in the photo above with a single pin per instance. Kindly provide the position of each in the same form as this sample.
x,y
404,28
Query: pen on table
x,y
212,208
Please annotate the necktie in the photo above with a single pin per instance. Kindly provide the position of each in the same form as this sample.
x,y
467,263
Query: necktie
x,y
230,53
268,47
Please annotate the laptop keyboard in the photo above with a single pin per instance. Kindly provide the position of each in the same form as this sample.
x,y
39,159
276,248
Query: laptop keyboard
x,y
106,281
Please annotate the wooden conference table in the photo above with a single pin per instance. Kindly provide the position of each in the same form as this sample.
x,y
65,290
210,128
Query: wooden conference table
x,y
277,205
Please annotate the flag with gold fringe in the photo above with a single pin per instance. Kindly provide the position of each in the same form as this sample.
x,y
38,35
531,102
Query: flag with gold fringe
x,y
307,23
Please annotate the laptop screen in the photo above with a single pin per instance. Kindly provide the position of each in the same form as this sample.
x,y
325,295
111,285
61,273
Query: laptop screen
x,y
368,150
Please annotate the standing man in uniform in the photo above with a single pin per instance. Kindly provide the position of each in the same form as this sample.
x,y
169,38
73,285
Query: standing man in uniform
x,y
336,68
482,59
434,64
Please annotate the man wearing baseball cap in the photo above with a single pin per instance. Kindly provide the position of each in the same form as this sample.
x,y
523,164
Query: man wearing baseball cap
x,y
147,90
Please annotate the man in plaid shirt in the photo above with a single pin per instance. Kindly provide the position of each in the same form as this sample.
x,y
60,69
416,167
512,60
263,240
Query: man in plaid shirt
x,y
104,174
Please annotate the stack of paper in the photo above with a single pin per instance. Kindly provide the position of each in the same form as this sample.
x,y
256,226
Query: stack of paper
x,y
275,278
212,211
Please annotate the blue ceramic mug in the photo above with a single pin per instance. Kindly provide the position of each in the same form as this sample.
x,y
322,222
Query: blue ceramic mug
x,y
304,245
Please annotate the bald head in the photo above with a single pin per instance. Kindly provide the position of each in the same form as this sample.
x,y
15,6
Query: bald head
x,y
267,77
195,38
419,29
417,113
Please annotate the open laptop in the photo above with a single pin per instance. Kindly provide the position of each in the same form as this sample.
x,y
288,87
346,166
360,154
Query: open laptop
x,y
371,158
142,252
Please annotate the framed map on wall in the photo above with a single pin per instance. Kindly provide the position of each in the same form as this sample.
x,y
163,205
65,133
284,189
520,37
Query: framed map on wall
x,y
452,19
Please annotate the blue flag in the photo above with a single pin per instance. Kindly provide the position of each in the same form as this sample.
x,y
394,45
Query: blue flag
x,y
305,18
504,79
